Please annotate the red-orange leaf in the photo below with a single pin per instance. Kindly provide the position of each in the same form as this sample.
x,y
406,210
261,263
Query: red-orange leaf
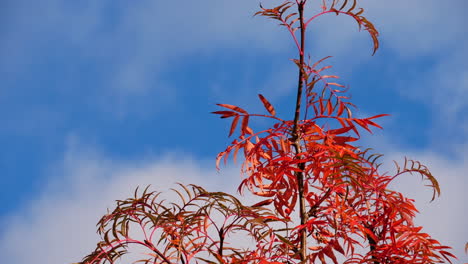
x,y
377,116
362,123
329,107
370,234
233,107
336,84
329,252
267,105
263,203
373,124
224,114
245,123
322,110
320,61
264,194
340,109
342,140
321,257
339,130
233,125
337,247
330,76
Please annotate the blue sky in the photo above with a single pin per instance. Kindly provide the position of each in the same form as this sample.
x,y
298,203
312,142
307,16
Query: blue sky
x,y
97,97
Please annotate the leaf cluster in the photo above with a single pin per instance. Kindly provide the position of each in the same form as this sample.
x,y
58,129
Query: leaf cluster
x,y
198,228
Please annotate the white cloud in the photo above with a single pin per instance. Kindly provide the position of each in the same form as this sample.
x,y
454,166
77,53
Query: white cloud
x,y
138,33
408,29
419,28
443,88
133,43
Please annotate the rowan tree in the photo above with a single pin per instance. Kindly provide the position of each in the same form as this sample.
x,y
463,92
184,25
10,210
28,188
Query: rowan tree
x,y
323,199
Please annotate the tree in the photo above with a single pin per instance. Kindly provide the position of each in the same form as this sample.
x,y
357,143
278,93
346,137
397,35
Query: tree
x,y
323,199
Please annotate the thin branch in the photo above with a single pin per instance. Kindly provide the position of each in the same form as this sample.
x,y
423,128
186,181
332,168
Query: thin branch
x,y
295,136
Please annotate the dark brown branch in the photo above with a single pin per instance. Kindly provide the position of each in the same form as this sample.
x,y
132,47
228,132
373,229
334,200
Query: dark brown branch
x,y
295,138
372,246
221,241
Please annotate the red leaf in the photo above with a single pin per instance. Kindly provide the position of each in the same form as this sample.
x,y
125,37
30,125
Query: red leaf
x,y
323,68
373,124
315,109
337,247
264,194
370,234
330,76
353,127
233,107
283,145
329,252
362,123
339,130
377,116
321,106
234,125
342,140
245,123
330,107
320,61
263,203
224,114
248,146
267,105
321,257
340,109
336,84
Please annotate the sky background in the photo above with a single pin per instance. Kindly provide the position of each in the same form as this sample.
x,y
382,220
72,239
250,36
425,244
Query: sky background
x,y
98,97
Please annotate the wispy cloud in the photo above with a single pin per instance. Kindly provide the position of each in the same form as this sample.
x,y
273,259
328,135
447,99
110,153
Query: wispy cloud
x,y
126,47
443,88
419,28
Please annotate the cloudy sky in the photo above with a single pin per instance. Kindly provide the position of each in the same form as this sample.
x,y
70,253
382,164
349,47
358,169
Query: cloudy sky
x,y
98,97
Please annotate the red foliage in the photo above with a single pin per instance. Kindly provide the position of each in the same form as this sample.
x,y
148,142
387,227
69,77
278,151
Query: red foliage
x,y
307,168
